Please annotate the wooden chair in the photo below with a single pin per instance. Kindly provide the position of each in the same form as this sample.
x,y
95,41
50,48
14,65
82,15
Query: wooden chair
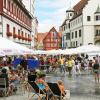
x,y
56,91
37,91
3,87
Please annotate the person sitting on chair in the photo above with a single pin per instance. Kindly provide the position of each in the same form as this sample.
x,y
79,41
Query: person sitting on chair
x,y
32,76
43,86
4,74
13,80
41,82
61,87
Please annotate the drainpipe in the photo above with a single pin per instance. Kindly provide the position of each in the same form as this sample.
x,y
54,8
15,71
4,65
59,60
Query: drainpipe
x,y
2,24
82,31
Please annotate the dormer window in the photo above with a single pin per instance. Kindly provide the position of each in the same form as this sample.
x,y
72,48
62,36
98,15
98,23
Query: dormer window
x,y
97,13
70,14
97,17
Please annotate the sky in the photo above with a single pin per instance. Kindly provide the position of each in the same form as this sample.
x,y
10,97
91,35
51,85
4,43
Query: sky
x,y
51,13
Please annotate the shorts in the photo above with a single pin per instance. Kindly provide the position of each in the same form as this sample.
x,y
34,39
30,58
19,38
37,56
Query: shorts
x,y
96,71
69,68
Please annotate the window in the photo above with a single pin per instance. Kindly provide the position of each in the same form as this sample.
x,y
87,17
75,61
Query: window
x,y
80,33
88,18
17,12
70,14
66,44
75,34
23,34
8,5
97,32
8,28
67,36
21,15
4,3
12,7
18,32
15,9
69,25
76,43
76,22
73,44
54,35
72,35
14,30
97,17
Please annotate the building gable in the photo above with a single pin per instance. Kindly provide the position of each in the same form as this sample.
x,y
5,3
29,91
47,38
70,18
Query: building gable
x,y
52,40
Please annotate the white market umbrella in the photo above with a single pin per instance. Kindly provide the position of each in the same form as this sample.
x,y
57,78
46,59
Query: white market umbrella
x,y
70,51
88,49
60,51
12,48
39,52
51,52
2,53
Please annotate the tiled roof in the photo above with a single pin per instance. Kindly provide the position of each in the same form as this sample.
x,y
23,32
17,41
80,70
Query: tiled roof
x,y
79,7
64,23
41,36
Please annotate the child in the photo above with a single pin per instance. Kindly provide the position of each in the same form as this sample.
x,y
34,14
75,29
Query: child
x,y
62,88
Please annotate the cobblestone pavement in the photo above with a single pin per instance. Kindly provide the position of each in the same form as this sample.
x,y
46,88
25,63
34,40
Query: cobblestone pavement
x,y
81,87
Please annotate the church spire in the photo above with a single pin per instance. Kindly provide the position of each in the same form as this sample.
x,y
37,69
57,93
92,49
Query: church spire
x,y
98,9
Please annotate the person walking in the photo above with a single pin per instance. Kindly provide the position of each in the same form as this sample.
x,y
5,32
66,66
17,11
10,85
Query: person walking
x,y
77,67
70,66
62,68
96,68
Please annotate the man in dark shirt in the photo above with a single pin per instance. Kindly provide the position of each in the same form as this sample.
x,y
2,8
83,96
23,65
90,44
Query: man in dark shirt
x,y
32,75
4,75
96,68
24,63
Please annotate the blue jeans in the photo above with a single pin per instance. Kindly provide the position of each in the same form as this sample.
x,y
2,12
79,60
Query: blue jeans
x,y
62,68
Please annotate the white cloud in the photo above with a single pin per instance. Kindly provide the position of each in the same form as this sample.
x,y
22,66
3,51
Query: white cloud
x,y
54,18
51,3
46,25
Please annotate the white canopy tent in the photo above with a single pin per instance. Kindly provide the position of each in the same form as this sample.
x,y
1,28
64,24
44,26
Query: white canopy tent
x,y
88,49
39,52
2,53
70,51
82,49
51,52
11,48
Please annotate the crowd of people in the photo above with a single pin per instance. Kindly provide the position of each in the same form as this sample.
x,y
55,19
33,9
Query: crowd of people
x,y
74,65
